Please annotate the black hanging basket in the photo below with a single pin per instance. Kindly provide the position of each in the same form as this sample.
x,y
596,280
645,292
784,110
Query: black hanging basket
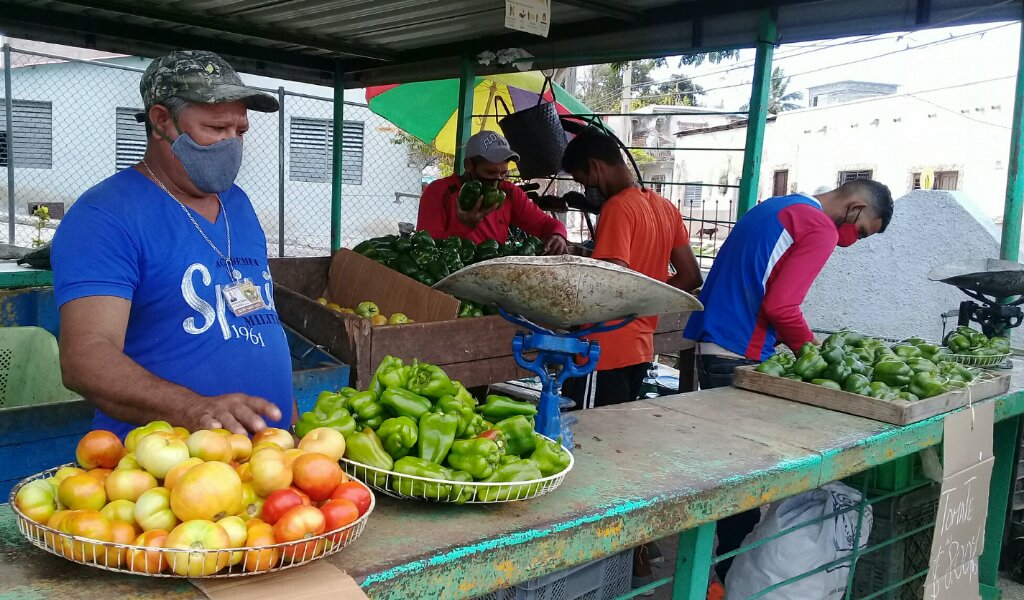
x,y
537,136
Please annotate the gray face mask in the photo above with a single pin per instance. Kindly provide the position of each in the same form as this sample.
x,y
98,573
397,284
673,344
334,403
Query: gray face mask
x,y
212,168
594,196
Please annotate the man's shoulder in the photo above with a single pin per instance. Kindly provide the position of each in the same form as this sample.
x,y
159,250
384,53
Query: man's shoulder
x,y
118,194
443,186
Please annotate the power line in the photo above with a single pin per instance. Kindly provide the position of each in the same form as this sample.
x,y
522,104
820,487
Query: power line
x,y
959,114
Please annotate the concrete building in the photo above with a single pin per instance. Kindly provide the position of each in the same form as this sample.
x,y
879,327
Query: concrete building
x,y
958,136
74,125
846,91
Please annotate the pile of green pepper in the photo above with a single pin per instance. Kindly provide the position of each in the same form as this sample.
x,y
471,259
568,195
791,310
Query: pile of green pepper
x,y
966,341
428,261
908,371
414,420
488,195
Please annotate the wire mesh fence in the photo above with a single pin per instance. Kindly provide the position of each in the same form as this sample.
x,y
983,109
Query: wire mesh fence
x,y
69,123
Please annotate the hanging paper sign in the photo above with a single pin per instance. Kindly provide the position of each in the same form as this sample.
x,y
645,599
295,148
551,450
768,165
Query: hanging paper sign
x,y
959,536
531,16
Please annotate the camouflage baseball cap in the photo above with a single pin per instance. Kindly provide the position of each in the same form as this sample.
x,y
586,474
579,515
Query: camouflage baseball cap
x,y
199,76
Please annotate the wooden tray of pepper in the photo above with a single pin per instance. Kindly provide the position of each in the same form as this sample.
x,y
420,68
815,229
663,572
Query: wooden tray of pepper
x,y
897,412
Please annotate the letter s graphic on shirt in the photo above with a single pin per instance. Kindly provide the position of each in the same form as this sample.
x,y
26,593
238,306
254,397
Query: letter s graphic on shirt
x,y
188,292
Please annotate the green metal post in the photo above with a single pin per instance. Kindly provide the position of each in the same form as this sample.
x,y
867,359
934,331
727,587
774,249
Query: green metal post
x,y
1009,248
464,123
693,563
1004,447
338,125
760,87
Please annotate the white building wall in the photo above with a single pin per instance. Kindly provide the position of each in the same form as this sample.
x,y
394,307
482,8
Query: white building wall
x,y
963,128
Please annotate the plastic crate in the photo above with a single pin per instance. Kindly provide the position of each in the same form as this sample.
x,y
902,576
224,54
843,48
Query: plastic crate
x,y
602,579
901,473
904,558
30,368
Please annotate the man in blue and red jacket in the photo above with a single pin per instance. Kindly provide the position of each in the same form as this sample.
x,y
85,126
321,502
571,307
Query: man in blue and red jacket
x,y
759,279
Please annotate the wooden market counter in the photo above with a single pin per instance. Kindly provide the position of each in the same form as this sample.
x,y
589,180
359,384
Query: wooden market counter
x,y
643,472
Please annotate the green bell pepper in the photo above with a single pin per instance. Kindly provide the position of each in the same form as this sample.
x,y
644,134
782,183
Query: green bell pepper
x,y
462,493
810,365
509,458
392,372
493,196
906,351
929,351
398,435
852,338
479,457
1000,344
858,384
518,435
403,403
884,353
958,344
366,448
328,402
422,239
865,355
366,409
339,420
836,340
926,385
418,467
907,397
521,470
956,372
922,365
855,364
470,194
770,367
436,435
892,372
454,406
550,456
497,408
833,354
807,348
837,372
461,393
827,383
429,381
476,426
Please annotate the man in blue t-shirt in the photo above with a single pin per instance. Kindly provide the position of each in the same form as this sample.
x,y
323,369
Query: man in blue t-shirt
x,y
160,271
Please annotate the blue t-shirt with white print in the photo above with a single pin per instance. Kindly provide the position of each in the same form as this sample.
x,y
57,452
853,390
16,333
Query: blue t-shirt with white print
x,y
126,237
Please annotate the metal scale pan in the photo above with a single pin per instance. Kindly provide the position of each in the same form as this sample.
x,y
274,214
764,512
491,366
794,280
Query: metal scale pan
x,y
986,276
565,291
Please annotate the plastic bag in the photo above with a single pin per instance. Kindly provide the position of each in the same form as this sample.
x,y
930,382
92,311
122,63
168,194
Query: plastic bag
x,y
802,550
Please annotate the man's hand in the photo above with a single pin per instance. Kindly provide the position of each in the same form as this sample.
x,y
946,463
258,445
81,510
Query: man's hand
x,y
555,244
237,413
473,217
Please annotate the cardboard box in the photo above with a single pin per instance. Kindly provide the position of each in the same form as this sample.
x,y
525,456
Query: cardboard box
x,y
475,351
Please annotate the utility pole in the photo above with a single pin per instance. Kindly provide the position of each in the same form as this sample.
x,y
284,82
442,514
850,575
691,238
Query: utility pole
x,y
626,103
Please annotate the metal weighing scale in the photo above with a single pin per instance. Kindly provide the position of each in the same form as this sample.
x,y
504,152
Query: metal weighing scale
x,y
996,285
559,300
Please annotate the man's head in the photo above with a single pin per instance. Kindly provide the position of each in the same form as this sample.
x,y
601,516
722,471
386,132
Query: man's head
x,y
196,115
858,208
594,160
487,157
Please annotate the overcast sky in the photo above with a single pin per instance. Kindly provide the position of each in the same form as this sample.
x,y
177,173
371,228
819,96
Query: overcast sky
x,y
914,61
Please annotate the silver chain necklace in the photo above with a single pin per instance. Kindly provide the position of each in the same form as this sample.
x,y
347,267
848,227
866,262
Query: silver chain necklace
x,y
227,225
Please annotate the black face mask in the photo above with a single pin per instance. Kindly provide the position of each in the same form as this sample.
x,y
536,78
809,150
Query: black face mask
x,y
594,195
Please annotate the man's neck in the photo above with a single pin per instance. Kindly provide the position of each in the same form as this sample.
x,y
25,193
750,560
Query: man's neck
x,y
156,167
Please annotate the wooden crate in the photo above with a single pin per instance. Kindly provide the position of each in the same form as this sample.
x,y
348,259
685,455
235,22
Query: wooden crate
x,y
888,411
475,351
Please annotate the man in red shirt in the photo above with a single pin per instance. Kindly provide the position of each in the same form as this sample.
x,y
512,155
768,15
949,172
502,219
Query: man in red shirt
x,y
637,229
487,158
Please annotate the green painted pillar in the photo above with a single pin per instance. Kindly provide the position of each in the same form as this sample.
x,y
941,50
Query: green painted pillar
x,y
1009,249
758,112
1004,473
693,563
464,125
338,125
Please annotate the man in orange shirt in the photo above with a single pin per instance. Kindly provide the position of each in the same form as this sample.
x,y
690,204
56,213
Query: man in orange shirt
x,y
637,229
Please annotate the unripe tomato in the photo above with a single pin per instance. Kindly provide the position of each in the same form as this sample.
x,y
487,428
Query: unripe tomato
x,y
99,448
300,523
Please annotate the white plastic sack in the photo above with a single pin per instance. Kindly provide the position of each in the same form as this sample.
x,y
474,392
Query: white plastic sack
x,y
802,550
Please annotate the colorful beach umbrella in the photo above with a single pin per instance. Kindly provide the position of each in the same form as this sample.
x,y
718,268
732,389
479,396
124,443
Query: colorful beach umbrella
x,y
428,109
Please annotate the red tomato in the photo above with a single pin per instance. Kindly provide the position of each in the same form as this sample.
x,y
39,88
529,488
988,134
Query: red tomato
x,y
316,474
356,492
303,495
338,513
299,523
278,503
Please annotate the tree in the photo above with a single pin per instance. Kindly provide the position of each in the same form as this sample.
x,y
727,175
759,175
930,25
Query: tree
x,y
779,98
421,154
602,90
697,60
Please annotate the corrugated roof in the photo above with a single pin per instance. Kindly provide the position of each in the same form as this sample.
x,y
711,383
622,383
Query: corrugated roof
x,y
383,41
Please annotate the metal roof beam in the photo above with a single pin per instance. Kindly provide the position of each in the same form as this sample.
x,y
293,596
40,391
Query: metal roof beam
x,y
18,20
605,8
215,24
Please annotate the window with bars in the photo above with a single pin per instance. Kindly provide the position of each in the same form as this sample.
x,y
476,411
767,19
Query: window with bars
x,y
658,184
944,180
130,138
693,193
32,135
310,143
848,176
